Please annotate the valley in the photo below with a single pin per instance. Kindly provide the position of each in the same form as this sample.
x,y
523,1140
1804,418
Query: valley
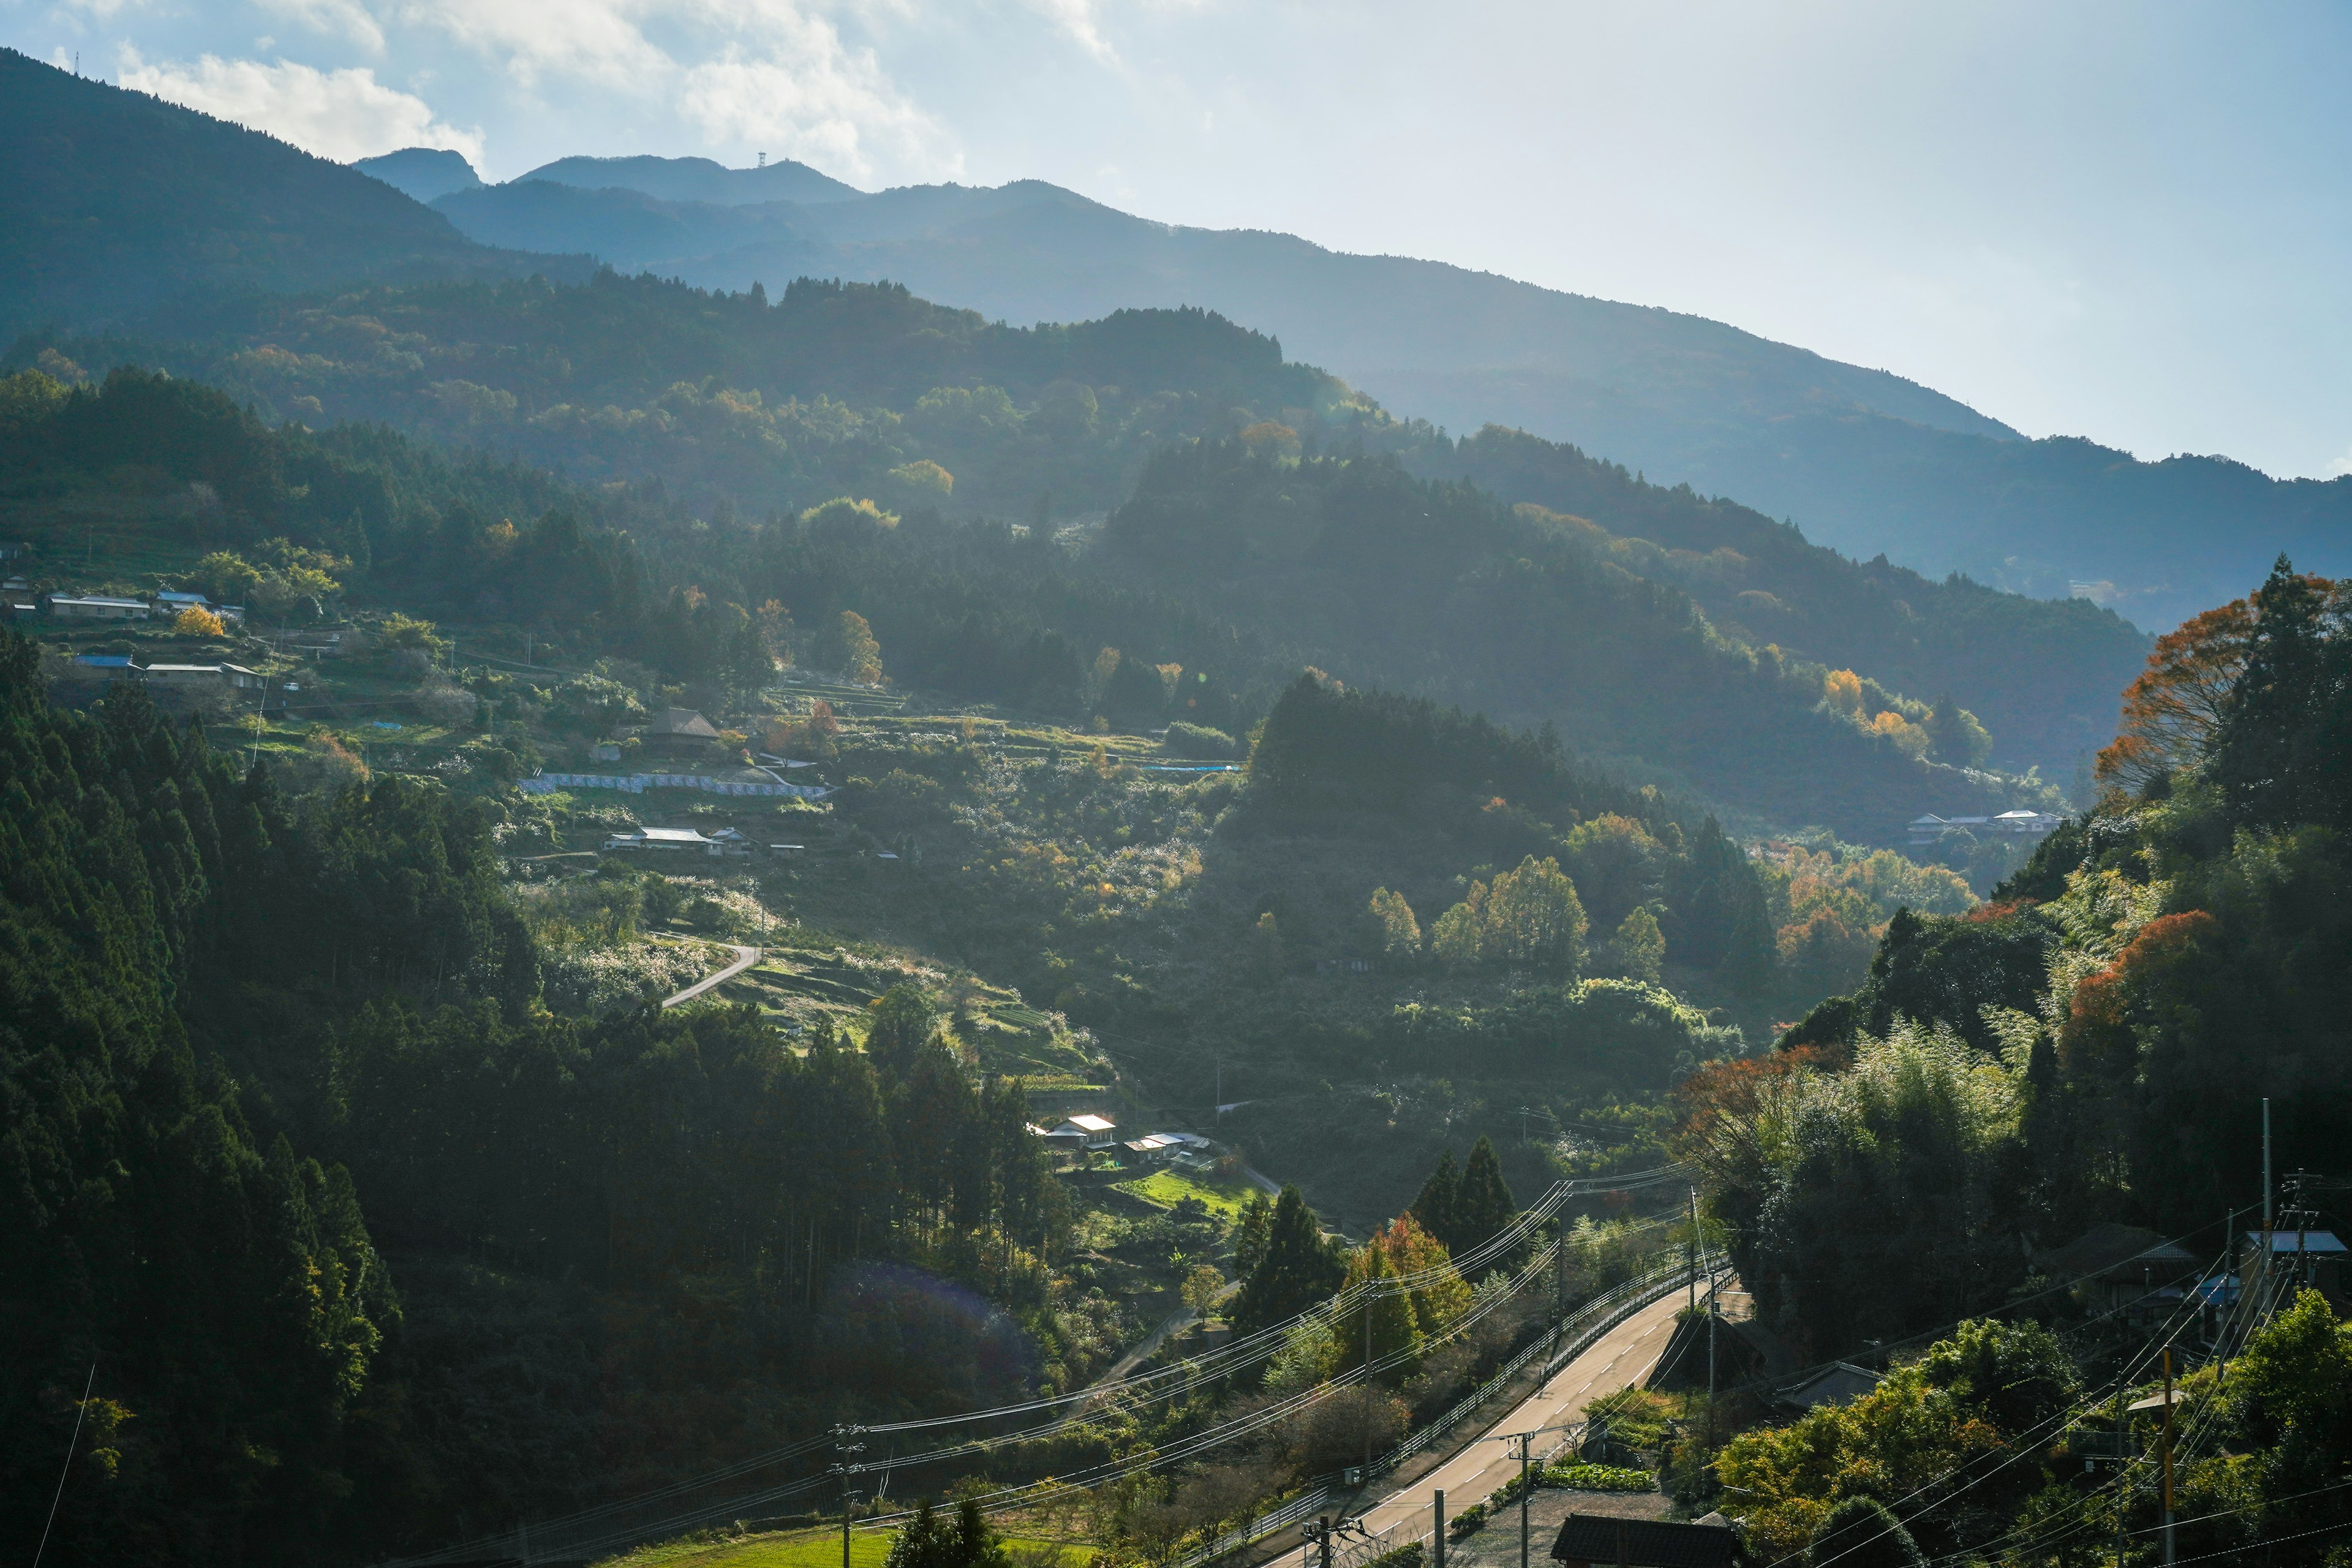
x,y
669,894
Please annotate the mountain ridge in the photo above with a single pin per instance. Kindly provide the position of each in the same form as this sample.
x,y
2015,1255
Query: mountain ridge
x,y
118,202
1867,461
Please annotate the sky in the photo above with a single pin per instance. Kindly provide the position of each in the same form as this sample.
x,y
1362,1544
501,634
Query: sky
x,y
2130,222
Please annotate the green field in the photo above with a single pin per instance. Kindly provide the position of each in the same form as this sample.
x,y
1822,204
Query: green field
x,y
806,1549
1169,1188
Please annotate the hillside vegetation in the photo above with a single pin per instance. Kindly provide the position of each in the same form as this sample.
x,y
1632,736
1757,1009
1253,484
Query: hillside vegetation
x,y
951,418
117,202
1864,460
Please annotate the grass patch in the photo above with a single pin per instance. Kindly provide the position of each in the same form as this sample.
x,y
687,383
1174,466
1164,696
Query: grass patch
x,y
805,1549
1168,1188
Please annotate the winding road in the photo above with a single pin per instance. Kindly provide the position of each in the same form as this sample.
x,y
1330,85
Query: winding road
x,y
1624,1354
745,957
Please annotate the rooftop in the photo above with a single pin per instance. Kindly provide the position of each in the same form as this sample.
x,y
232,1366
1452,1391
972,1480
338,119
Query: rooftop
x,y
2312,1241
1644,1542
683,721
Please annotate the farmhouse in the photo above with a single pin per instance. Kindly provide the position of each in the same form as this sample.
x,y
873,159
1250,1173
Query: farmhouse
x,y
1083,1132
96,607
204,677
680,731
662,839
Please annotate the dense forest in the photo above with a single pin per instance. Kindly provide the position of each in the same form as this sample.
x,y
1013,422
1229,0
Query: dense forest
x,y
298,1165
117,203
740,407
1230,561
2096,1041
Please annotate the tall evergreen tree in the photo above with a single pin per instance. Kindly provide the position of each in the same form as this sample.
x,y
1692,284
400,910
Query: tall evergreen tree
x,y
1250,1228
1440,1195
2267,754
1485,1204
1296,1271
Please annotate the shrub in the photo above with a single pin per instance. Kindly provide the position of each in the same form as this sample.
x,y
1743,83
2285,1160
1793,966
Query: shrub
x,y
1599,1478
1197,740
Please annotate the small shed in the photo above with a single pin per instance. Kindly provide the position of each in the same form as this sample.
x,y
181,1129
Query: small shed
x,y
680,731
1602,1541
1835,1383
2317,1256
2117,1264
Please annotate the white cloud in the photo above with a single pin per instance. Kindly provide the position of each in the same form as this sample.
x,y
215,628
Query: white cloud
x,y
597,41
767,74
344,18
817,101
342,114
1076,18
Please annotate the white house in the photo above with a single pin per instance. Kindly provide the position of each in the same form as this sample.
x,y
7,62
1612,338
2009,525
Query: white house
x,y
200,675
664,838
1085,1133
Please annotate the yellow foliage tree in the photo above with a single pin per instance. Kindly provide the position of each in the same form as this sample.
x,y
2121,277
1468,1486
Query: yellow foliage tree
x,y
1842,690
1400,932
860,656
1907,738
195,621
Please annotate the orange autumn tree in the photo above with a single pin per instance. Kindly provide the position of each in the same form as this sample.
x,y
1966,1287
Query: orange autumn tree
x,y
2172,711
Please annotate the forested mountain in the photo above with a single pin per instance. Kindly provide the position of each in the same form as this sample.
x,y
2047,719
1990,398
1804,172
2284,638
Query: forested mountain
x,y
865,390
697,180
2097,1043
1862,460
1230,558
2042,674
422,173
116,202
1439,586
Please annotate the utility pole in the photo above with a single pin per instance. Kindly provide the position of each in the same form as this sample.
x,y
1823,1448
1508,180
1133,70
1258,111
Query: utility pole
x,y
845,1469
2168,1456
1690,1250
1710,1363
1527,1489
2122,1469
1437,1533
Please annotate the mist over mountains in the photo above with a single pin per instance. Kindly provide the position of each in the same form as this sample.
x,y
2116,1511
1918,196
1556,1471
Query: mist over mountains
x,y
128,203
1862,460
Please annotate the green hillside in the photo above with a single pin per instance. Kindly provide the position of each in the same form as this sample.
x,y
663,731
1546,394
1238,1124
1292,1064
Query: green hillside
x,y
739,408
2042,674
117,202
1862,460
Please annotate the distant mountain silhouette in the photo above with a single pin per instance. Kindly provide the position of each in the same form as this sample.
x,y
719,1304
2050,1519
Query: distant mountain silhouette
x,y
422,173
1862,460
631,230
116,202
698,180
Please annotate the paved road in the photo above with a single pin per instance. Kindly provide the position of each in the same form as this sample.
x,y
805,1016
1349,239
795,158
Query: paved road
x,y
745,957
1624,1354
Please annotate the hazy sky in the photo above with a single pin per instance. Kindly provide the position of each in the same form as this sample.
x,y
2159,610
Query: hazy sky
x,y
2127,222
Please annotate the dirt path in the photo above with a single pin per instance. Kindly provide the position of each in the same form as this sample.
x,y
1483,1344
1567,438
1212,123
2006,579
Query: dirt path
x,y
745,957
